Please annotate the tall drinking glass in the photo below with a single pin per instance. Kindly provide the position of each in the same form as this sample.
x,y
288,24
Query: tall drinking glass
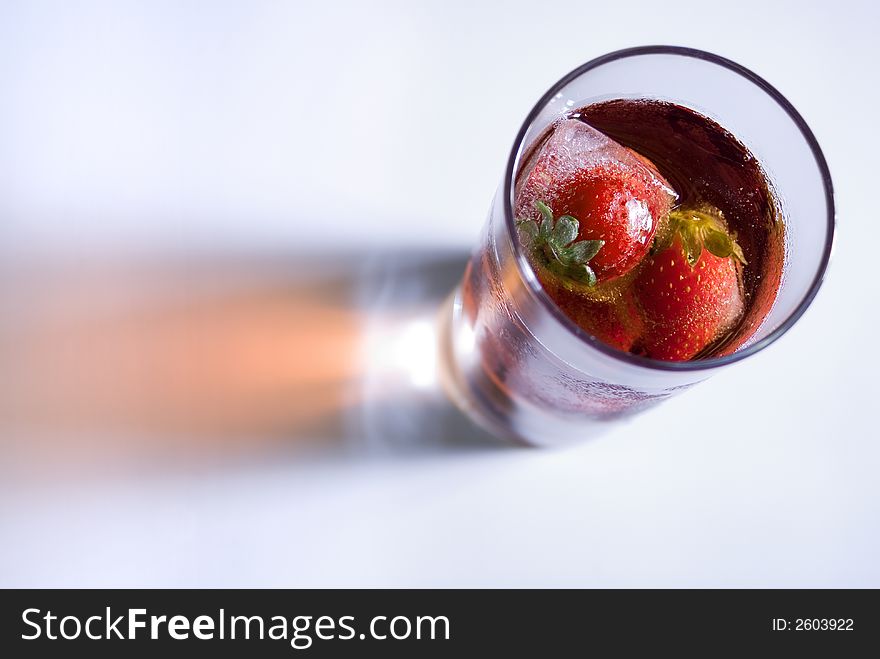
x,y
517,365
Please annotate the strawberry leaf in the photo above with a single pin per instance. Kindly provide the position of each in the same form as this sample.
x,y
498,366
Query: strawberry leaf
x,y
581,252
553,243
580,273
585,274
528,232
718,243
699,229
546,219
565,231
693,247
738,253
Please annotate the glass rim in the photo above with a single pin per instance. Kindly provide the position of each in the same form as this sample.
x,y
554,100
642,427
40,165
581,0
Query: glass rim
x,y
587,338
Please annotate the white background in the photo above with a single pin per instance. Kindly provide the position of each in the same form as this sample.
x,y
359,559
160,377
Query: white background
x,y
174,123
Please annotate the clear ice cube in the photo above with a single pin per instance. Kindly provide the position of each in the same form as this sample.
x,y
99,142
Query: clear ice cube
x,y
572,147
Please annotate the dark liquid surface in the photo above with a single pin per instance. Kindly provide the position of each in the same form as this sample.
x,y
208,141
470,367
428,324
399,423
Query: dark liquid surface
x,y
704,163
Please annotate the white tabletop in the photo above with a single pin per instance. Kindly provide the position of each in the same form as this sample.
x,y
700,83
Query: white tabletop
x,y
272,127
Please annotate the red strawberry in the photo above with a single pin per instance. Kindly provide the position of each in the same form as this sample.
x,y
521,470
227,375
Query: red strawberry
x,y
617,323
617,196
689,289
563,266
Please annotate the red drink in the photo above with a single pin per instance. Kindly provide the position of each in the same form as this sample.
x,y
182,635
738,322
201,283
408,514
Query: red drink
x,y
636,245
650,180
